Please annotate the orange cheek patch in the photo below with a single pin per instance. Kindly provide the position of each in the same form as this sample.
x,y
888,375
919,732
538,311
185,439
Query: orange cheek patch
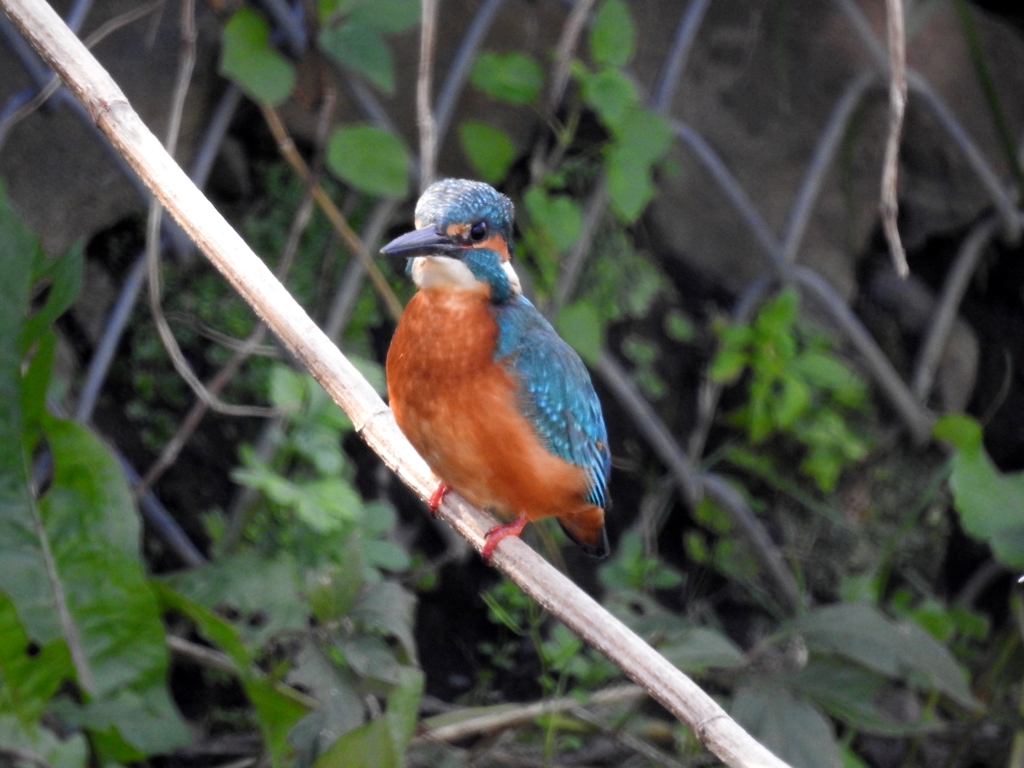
x,y
497,244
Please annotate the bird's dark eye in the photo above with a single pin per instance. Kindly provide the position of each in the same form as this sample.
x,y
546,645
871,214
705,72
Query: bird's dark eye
x,y
478,231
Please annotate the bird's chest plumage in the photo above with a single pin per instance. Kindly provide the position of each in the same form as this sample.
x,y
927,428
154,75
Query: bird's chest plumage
x,y
461,409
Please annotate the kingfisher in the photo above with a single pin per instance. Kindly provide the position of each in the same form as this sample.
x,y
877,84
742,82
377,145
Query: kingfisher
x,y
501,408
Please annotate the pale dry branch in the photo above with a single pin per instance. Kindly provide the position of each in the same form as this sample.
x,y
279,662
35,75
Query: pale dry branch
x,y
373,421
424,94
453,726
897,108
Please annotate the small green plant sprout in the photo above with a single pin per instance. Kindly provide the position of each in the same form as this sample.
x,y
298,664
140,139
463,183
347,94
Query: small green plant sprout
x,y
797,388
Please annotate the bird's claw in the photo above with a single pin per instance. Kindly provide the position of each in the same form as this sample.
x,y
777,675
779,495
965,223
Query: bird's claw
x,y
499,532
437,497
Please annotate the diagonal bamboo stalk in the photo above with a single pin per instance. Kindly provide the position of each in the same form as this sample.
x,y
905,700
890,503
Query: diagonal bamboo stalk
x,y
108,106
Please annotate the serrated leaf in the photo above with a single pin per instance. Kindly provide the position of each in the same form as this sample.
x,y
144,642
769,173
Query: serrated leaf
x,y
489,150
94,536
580,325
899,650
792,729
359,46
612,35
247,58
369,159
514,77
990,502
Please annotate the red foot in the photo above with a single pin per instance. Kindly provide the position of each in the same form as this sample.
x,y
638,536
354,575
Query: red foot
x,y
437,497
499,532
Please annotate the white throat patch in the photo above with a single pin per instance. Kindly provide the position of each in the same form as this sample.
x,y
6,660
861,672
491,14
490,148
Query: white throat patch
x,y
442,272
446,272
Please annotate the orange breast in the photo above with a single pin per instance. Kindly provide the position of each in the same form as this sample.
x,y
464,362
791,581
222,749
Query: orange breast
x,y
458,409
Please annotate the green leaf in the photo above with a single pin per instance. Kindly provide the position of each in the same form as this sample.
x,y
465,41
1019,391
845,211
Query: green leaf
x,y
387,16
557,217
247,58
990,502
29,675
897,650
369,159
382,742
611,94
513,77
852,694
389,608
277,712
263,594
580,325
64,274
357,45
341,708
488,149
287,388
629,183
93,533
678,326
612,35
700,648
792,729
72,752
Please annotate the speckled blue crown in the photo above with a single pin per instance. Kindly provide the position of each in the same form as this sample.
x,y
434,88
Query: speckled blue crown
x,y
461,201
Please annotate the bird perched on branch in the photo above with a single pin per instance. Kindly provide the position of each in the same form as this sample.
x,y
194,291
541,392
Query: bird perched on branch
x,y
500,407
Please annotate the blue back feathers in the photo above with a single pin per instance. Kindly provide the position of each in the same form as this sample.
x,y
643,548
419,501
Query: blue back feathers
x,y
556,394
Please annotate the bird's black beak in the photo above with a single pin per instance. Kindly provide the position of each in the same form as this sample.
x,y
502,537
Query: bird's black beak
x,y
422,242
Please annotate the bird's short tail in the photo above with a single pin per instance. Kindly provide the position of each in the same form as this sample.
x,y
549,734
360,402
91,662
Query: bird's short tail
x,y
593,541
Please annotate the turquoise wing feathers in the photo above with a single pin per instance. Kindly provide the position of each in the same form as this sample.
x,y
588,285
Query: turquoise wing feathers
x,y
555,392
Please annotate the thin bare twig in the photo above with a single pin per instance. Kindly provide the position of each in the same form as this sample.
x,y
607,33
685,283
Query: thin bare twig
x,y
889,204
686,33
372,419
458,72
173,447
628,740
821,162
451,727
567,44
351,284
287,148
571,270
957,282
424,94
208,657
14,117
1012,221
181,365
